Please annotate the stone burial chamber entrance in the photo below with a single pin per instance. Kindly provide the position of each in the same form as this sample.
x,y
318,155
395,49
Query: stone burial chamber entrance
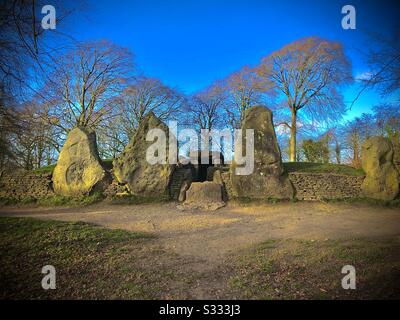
x,y
202,164
197,170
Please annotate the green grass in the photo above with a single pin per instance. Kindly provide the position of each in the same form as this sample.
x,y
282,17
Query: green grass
x,y
85,256
6,201
57,200
306,269
54,201
322,168
81,201
45,169
134,199
368,201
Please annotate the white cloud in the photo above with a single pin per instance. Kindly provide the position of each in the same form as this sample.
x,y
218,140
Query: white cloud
x,y
362,76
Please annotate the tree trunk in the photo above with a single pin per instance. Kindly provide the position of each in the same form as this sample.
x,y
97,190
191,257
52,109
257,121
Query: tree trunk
x,y
337,151
356,156
293,132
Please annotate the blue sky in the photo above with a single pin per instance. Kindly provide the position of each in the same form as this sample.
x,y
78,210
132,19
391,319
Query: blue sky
x,y
189,44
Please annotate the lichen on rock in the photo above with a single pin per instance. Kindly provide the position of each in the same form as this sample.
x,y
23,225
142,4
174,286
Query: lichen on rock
x,y
204,196
132,169
382,178
267,179
79,169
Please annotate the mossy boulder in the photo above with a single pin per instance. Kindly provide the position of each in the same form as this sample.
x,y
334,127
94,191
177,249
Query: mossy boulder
x,y
133,170
267,179
396,156
79,169
382,178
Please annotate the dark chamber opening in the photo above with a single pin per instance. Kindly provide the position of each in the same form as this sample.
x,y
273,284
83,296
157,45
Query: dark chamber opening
x,y
202,167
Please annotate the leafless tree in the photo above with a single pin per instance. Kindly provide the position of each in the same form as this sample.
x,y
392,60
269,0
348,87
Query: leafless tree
x,y
35,143
386,63
112,137
308,74
146,95
8,126
85,83
20,30
204,108
22,46
383,60
244,88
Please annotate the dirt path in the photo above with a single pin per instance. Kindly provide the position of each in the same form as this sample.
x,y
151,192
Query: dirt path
x,y
210,236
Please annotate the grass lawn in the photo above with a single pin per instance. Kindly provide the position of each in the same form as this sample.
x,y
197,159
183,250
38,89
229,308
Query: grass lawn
x,y
289,269
54,201
89,260
322,168
45,169
93,262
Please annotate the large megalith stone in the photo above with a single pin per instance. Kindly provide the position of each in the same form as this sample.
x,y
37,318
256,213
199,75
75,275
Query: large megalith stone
x,y
132,168
203,195
396,156
267,179
382,178
79,169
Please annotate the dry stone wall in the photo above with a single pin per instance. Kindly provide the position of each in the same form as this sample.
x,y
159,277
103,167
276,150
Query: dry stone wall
x,y
309,186
26,185
319,186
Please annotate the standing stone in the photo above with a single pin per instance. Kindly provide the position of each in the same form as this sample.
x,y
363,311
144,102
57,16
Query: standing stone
x,y
267,179
204,196
132,168
182,192
396,156
382,179
79,169
218,177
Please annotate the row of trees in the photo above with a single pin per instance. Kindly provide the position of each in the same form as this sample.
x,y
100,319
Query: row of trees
x,y
342,144
25,140
94,85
